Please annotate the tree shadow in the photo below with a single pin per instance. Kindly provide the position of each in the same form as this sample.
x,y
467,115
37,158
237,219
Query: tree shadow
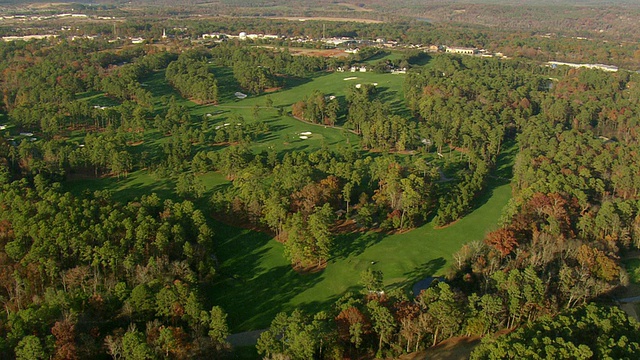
x,y
499,177
424,272
227,83
157,84
267,292
422,60
275,125
506,160
355,243
123,189
313,307
289,82
390,98
378,56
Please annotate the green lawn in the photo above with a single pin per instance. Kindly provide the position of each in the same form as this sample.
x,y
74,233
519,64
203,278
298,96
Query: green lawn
x,y
258,282
285,130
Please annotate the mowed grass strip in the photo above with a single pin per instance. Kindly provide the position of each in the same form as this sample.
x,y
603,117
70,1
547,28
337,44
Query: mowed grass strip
x,y
257,281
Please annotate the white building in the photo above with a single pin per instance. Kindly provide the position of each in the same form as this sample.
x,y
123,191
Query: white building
x,y
462,50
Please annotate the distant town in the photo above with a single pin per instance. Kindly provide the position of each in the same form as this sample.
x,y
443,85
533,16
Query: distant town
x,y
348,44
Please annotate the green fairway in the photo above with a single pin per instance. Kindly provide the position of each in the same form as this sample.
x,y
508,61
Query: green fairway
x,y
255,279
264,284
285,130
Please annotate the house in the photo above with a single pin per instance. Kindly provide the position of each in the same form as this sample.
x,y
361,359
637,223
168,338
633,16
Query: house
x,y
462,50
363,69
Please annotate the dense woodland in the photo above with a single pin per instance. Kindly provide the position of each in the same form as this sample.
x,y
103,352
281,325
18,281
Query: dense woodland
x,y
88,275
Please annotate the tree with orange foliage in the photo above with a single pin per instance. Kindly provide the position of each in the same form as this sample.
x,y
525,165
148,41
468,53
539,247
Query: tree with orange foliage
x,y
503,240
352,326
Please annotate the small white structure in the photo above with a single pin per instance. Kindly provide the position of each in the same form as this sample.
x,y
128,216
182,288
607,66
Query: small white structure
x,y
363,69
240,95
306,133
303,137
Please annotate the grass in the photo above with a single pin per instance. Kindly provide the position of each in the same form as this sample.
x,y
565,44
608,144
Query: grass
x,y
285,130
255,271
255,279
95,98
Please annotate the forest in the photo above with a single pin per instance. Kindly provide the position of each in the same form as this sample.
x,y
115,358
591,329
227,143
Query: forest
x,y
128,171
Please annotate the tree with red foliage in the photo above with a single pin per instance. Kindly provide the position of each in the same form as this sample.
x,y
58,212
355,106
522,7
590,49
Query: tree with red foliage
x,y
65,334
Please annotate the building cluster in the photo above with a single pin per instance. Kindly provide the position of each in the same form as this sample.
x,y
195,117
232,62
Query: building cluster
x,y
350,45
241,36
